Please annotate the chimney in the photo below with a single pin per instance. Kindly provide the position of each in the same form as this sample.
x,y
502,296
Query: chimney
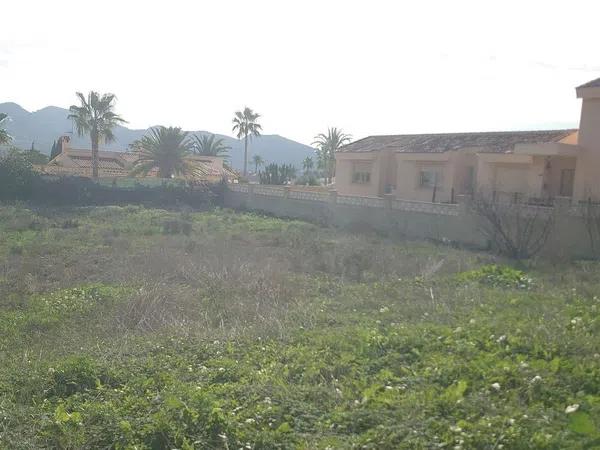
x,y
63,143
589,124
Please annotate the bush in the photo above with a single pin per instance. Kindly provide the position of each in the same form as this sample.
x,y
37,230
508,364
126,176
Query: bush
x,y
73,375
277,174
16,177
307,180
79,191
177,226
498,276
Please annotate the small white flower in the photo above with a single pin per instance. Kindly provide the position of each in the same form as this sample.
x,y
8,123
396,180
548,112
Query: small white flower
x,y
496,386
250,420
501,339
536,379
472,321
572,408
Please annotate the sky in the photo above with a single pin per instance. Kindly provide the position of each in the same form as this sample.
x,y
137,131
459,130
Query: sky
x,y
368,67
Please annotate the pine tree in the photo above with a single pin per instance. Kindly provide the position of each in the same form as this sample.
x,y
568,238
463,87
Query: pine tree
x,y
55,151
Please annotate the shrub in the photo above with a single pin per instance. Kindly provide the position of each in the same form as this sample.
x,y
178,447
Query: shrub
x,y
516,230
277,174
73,375
176,226
498,276
16,177
307,180
79,191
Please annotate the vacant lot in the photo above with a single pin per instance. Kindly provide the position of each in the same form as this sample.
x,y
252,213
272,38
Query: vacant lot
x,y
132,328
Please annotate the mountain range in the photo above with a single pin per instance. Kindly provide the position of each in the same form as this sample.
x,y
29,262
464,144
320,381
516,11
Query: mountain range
x,y
46,125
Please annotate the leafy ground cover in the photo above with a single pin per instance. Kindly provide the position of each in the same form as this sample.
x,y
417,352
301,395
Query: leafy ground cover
x,y
134,328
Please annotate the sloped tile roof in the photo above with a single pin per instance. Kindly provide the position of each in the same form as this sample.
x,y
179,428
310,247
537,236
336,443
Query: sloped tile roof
x,y
589,84
496,141
121,164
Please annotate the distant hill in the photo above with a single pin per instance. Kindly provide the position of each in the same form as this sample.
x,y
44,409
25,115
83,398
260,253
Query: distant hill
x,y
43,127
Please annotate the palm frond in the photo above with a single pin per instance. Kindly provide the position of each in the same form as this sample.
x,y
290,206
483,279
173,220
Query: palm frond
x,y
165,149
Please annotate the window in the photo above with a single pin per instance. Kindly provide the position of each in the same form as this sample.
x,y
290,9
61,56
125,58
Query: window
x,y
430,177
361,173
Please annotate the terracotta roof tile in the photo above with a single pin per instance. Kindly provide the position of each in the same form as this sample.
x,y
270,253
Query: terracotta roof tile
x,y
496,141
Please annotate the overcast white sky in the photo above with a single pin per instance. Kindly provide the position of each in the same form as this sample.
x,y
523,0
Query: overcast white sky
x,y
369,67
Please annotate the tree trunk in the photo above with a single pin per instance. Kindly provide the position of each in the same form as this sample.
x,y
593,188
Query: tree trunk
x,y
245,155
94,137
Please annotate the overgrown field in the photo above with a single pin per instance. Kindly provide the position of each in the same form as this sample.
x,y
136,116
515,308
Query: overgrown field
x,y
133,328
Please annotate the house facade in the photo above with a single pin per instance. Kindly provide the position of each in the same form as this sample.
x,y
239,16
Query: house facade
x,y
531,165
74,161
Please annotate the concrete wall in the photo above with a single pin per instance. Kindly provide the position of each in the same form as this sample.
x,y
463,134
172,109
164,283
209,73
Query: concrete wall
x,y
402,218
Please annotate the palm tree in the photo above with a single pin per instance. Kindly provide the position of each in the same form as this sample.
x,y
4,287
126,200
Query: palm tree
x,y
210,145
307,164
327,145
95,117
245,125
166,149
258,161
4,136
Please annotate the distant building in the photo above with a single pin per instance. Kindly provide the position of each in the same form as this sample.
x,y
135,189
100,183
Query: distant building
x,y
74,161
434,167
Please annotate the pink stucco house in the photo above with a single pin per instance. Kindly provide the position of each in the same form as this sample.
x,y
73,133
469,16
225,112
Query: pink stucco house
x,y
533,165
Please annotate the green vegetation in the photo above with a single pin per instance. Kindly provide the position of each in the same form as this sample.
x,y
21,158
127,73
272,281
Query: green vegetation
x,y
165,149
16,176
258,161
5,138
95,117
127,327
327,145
210,145
245,125
277,174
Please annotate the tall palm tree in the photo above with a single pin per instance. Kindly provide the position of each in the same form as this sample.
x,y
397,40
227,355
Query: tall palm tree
x,y
258,161
95,117
307,164
245,125
210,145
327,145
164,149
4,136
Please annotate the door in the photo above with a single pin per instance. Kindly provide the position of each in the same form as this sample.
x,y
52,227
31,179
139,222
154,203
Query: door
x,y
566,182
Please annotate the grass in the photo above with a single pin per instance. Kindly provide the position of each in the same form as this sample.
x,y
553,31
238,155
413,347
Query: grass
x,y
133,328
